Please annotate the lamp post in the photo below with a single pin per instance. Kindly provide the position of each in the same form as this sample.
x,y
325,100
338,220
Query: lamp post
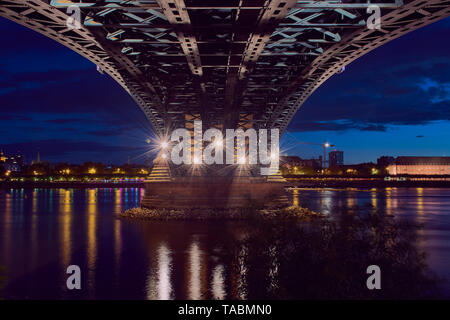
x,y
325,145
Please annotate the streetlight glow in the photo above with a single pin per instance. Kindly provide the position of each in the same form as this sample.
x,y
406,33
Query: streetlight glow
x,y
218,143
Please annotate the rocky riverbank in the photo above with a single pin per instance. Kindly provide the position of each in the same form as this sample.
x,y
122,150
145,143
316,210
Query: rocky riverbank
x,y
217,214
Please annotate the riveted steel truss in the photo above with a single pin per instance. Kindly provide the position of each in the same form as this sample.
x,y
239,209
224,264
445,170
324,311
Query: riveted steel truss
x,y
230,63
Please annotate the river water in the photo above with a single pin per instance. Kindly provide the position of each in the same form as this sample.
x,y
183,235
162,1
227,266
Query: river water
x,y
42,231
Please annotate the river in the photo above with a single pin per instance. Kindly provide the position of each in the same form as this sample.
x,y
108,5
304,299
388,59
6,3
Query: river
x,y
42,231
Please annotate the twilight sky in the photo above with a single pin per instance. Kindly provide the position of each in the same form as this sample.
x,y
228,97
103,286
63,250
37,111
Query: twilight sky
x,y
393,101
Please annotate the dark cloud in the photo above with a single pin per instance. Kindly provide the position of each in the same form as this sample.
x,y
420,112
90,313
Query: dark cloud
x,y
342,125
71,130
13,117
89,92
373,127
379,100
105,133
64,121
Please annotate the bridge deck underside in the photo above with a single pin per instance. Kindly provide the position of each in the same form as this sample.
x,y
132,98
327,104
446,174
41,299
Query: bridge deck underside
x,y
232,63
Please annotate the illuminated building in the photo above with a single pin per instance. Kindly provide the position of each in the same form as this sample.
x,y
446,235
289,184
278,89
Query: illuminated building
x,y
420,166
335,158
293,162
11,163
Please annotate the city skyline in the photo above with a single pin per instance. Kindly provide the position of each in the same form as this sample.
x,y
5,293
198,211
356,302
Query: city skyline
x,y
89,116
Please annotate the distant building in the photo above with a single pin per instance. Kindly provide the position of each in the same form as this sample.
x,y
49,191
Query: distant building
x,y
295,161
420,166
38,160
312,163
295,164
385,161
11,162
289,162
336,158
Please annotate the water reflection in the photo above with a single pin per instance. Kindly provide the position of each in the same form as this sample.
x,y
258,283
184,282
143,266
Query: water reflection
x,y
117,247
295,197
91,237
420,208
374,198
195,271
65,225
43,231
218,283
159,285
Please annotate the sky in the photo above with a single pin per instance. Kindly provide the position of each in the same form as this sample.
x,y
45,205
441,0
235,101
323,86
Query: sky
x,y
393,101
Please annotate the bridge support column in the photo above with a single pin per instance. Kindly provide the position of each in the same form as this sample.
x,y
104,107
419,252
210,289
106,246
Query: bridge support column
x,y
163,190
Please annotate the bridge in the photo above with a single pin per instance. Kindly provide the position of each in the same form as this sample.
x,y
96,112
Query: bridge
x,y
229,63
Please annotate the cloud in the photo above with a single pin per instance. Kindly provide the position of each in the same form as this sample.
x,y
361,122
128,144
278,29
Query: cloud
x,y
88,92
105,133
339,125
65,120
372,101
13,117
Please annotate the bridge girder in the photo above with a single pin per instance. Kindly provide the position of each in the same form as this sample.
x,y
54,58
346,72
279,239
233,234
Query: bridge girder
x,y
228,62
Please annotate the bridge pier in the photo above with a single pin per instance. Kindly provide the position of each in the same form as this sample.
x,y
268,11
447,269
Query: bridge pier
x,y
164,190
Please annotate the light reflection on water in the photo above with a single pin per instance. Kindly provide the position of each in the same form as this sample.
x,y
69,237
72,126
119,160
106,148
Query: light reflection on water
x,y
159,285
42,231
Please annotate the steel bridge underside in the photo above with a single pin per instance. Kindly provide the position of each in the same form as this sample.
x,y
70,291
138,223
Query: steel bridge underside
x,y
230,63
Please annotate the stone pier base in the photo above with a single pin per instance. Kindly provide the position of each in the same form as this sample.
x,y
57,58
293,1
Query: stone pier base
x,y
214,192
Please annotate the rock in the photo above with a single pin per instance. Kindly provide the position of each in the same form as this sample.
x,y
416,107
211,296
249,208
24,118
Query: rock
x,y
229,214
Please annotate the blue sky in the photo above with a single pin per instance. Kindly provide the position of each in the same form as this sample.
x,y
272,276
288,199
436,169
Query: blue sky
x,y
393,101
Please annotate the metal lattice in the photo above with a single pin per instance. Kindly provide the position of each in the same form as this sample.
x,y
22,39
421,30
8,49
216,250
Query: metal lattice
x,y
230,63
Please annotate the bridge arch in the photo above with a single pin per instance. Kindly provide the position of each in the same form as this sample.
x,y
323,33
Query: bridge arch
x,y
223,88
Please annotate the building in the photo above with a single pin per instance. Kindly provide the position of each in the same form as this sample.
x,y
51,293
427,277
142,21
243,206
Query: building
x,y
297,165
290,161
420,166
335,158
11,162
385,161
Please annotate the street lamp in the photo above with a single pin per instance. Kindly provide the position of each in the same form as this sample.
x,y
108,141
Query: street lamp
x,y
325,146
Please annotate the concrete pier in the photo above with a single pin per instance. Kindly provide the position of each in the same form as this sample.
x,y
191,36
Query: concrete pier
x,y
240,190
214,192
